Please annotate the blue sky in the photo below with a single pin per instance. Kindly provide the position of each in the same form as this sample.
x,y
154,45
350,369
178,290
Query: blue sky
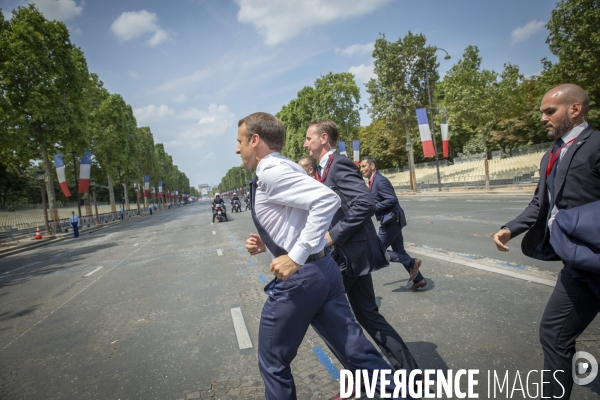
x,y
192,68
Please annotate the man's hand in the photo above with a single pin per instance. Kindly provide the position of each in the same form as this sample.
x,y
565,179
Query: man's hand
x,y
501,238
255,245
329,239
283,267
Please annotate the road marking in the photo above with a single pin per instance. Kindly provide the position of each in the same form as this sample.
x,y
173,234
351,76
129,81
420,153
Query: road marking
x,y
220,252
444,257
241,332
214,233
326,361
135,244
263,279
99,268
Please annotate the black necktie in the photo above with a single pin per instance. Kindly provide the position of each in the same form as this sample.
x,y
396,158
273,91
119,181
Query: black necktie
x,y
273,247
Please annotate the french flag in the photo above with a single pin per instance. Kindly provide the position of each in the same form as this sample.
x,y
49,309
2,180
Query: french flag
x,y
425,132
60,172
356,148
445,141
85,165
342,147
146,185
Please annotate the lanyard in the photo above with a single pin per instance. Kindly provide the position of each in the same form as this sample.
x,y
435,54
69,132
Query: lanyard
x,y
371,180
325,170
554,157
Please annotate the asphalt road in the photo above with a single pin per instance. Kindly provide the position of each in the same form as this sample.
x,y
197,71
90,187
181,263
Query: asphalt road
x,y
156,321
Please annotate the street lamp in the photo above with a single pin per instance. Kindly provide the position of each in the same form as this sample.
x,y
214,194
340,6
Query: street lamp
x,y
431,124
76,182
41,177
93,186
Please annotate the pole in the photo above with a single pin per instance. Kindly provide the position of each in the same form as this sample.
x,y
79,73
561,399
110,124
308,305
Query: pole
x,y
437,161
76,182
411,161
95,205
44,205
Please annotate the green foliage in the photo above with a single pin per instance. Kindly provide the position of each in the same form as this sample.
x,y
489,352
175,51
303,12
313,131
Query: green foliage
x,y
235,177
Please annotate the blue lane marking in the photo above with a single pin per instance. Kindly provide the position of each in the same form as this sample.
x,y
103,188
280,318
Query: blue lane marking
x,y
250,262
263,279
509,265
333,371
465,256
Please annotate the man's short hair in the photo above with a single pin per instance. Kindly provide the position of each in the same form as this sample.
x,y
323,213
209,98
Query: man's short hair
x,y
311,162
329,127
268,127
370,160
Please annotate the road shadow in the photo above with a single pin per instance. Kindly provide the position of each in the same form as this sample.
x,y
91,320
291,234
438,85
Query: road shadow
x,y
430,286
10,315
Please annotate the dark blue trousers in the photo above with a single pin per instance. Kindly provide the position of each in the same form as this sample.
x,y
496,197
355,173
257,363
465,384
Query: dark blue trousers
x,y
391,235
312,296
75,229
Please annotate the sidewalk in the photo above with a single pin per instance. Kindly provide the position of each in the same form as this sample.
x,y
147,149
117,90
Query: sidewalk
x,y
527,191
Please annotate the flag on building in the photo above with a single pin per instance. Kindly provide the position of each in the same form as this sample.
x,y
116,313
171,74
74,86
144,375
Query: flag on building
x,y
342,147
146,185
356,148
60,172
85,165
445,139
425,132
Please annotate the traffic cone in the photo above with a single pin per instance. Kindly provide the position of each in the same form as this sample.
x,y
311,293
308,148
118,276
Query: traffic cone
x,y
38,234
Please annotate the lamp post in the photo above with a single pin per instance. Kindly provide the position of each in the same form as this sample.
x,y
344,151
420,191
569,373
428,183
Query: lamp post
x,y
76,182
41,177
93,186
122,189
431,124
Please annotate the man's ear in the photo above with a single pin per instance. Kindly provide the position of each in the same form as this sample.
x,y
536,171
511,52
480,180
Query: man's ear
x,y
575,110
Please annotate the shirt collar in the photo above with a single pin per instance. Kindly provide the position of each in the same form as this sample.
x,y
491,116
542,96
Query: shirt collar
x,y
372,176
259,169
573,133
325,158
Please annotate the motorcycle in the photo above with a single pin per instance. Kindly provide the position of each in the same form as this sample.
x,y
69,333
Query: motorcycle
x,y
219,212
236,206
247,204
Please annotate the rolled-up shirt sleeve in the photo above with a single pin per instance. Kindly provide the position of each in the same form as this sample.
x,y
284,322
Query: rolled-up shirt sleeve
x,y
297,190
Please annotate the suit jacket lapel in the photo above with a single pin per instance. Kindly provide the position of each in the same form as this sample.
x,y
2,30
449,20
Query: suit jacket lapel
x,y
565,162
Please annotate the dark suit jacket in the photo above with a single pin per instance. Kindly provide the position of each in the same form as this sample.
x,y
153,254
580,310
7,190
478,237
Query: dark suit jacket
x,y
577,183
386,201
357,249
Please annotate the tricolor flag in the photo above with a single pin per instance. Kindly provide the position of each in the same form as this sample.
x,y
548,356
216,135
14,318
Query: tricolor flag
x,y
60,172
425,132
445,141
85,164
160,190
356,148
342,147
146,185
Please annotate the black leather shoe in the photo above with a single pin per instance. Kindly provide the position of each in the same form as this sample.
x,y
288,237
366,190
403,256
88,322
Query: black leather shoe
x,y
418,285
414,270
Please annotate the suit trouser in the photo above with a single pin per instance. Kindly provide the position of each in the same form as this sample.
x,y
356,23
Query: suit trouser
x,y
571,308
312,296
361,295
391,235
75,229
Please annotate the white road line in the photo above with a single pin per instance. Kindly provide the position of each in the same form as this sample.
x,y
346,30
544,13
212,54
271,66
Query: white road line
x,y
99,268
135,244
444,257
214,233
220,252
241,331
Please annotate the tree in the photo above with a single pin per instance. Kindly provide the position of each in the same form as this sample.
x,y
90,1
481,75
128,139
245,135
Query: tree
x,y
575,39
476,98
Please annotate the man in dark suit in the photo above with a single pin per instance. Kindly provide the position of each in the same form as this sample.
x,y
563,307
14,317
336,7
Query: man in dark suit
x,y
391,219
569,178
356,247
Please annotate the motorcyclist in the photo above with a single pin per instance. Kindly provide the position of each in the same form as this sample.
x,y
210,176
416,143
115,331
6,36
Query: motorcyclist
x,y
218,200
247,200
233,199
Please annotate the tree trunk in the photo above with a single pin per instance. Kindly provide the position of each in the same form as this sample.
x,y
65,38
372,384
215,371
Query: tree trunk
x,y
111,193
485,162
88,205
126,196
50,191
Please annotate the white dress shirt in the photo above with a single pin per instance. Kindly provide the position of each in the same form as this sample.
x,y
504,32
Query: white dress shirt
x,y
295,209
571,135
325,159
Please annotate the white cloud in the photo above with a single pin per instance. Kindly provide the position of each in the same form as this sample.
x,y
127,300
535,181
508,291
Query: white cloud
x,y
523,33
278,21
217,121
132,74
62,10
360,49
192,113
363,72
187,80
180,99
134,24
153,113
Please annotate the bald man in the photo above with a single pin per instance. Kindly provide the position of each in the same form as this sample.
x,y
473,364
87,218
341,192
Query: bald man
x,y
309,164
569,178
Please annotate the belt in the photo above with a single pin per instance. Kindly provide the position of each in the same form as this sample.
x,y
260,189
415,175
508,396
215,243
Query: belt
x,y
316,256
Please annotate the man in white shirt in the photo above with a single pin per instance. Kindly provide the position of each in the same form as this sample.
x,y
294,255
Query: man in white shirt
x,y
292,212
74,220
